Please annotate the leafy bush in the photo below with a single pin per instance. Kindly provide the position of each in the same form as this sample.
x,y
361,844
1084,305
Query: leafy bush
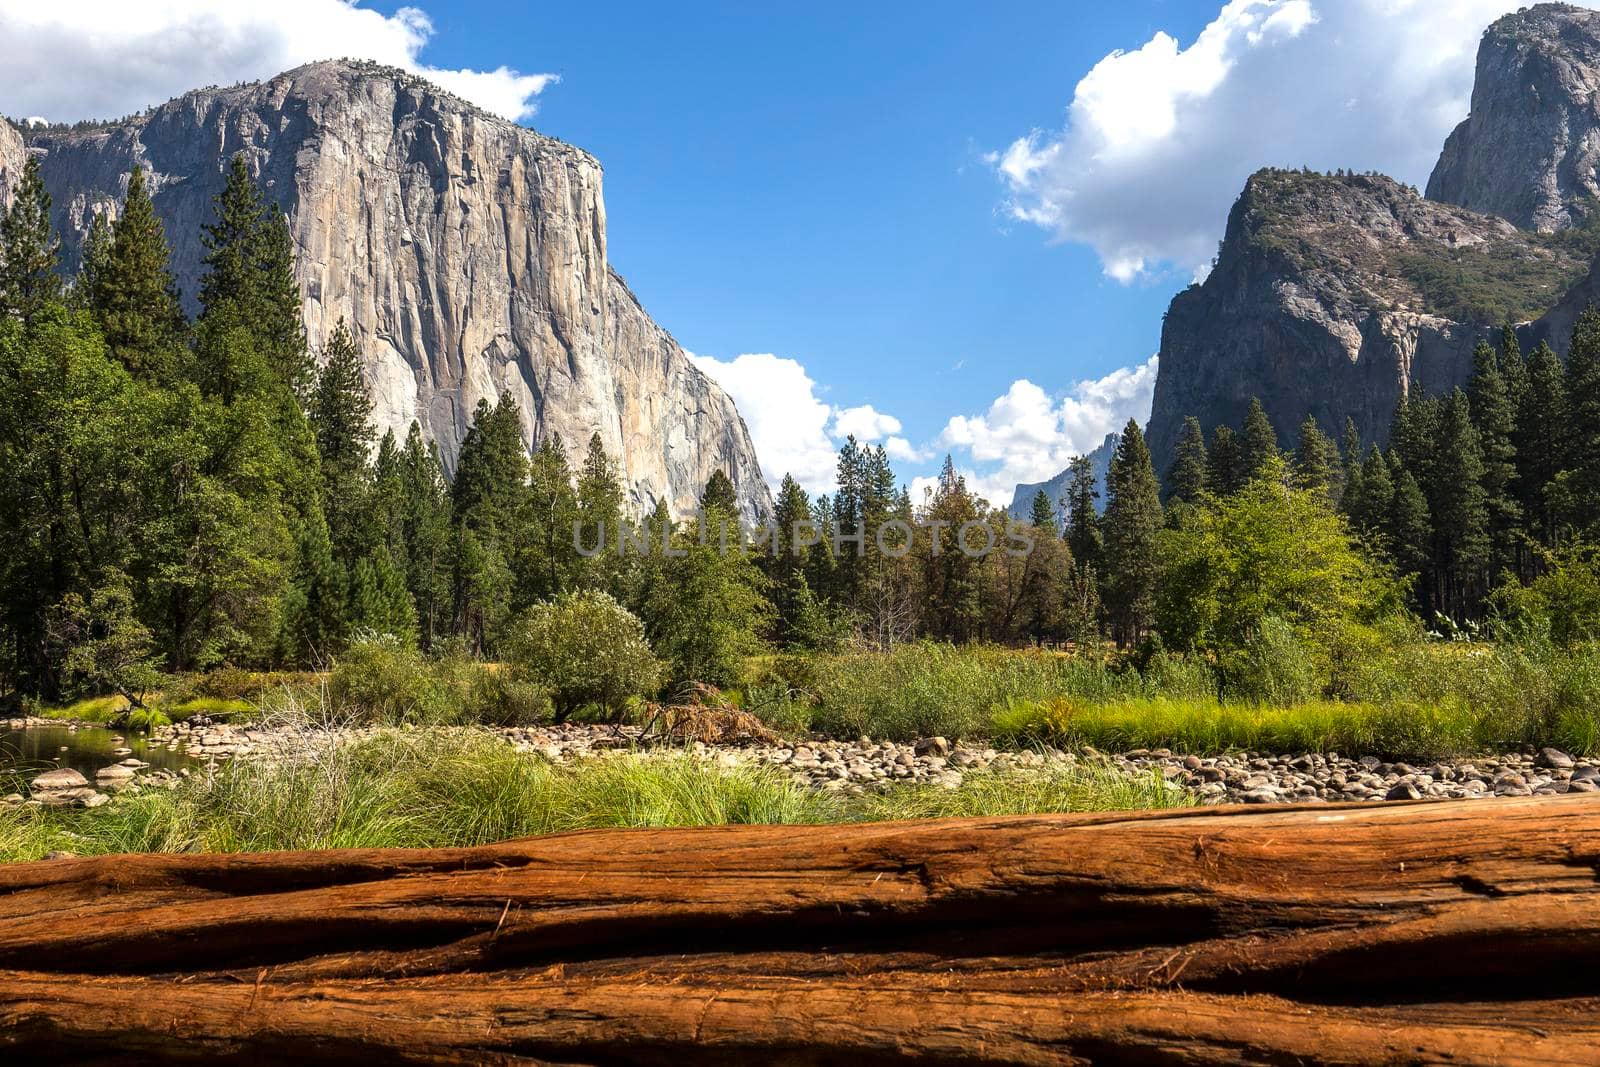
x,y
1562,605
585,648
382,679
1271,585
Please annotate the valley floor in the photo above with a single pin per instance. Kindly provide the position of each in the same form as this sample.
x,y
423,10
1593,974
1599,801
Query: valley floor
x,y
216,787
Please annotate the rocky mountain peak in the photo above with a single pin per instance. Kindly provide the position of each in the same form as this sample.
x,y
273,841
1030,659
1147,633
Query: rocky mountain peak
x,y
1529,149
1335,295
468,254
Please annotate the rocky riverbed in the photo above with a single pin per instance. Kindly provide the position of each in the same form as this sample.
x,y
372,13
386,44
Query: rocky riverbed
x,y
864,765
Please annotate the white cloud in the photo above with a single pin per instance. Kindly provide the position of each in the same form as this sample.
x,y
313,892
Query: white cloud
x,y
122,57
794,431
1158,140
1026,436
864,423
902,451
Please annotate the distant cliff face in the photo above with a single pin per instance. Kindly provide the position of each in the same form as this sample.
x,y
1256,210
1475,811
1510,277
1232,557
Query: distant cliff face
x,y
13,155
1529,149
1334,296
467,253
1055,490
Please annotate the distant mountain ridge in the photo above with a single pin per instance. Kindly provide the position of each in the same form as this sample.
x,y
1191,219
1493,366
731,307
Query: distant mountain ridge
x,y
1335,295
1056,488
468,254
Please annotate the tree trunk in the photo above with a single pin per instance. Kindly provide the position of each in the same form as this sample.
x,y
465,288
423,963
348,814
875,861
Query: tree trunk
x,y
1395,933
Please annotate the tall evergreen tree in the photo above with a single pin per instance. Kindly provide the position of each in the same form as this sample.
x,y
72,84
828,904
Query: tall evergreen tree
x,y
1258,446
1225,473
1541,442
1583,419
29,250
1316,461
1376,497
1083,518
1133,522
1460,512
340,413
1187,478
1494,418
1409,528
1042,514
425,519
134,296
545,560
719,495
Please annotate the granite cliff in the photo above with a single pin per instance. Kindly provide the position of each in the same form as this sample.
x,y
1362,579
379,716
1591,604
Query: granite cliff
x,y
467,253
1335,295
1529,148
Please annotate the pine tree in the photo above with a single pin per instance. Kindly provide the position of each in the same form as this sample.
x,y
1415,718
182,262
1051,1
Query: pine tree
x,y
786,568
92,261
1409,527
1352,496
1377,494
425,517
29,250
1316,461
1541,443
1133,522
1041,514
340,413
1083,518
316,612
249,282
1460,512
379,599
951,578
1494,418
1186,480
1225,473
1258,450
1583,418
134,296
490,505
545,561
719,495
599,501
1513,368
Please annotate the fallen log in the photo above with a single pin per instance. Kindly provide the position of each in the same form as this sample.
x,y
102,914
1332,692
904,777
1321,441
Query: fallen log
x,y
1395,933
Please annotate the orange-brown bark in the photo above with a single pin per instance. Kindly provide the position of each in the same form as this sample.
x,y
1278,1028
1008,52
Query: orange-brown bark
x,y
1355,934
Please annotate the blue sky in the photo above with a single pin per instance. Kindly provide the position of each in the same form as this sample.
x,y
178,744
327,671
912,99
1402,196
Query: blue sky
x,y
806,180
946,226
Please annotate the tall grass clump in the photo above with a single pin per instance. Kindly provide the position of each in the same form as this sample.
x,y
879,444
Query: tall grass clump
x,y
443,788
923,689
1082,787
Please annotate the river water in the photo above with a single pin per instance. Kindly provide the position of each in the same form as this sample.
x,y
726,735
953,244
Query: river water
x,y
85,749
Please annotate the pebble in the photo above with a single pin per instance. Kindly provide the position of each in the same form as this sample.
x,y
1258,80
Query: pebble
x,y
864,765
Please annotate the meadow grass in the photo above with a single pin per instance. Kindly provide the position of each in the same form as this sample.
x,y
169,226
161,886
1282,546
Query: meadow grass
x,y
430,788
1414,700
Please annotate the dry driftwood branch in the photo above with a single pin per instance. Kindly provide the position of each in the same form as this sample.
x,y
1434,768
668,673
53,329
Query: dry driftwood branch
x,y
1399,933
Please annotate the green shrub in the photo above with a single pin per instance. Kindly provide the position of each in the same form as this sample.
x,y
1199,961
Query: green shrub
x,y
584,648
382,679
1273,666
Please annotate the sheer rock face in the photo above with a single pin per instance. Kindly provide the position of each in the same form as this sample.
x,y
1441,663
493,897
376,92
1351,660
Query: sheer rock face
x,y
467,253
1529,149
13,155
1334,296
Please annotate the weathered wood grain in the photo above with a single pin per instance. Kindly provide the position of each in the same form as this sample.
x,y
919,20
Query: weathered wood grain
x,y
1400,933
